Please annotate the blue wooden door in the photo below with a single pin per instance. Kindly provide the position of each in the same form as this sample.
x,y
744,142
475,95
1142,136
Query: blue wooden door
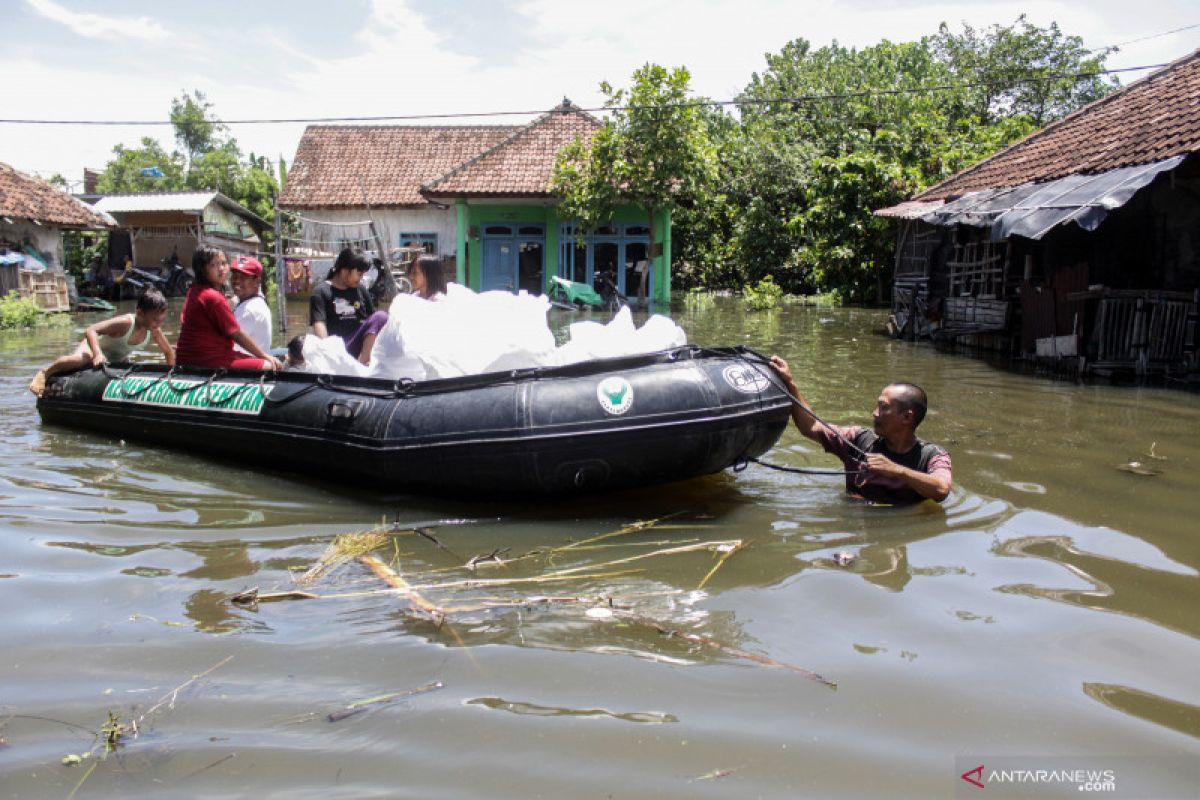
x,y
499,268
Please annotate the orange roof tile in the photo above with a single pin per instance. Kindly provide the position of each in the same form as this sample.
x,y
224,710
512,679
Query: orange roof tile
x,y
522,163
1147,121
28,198
335,163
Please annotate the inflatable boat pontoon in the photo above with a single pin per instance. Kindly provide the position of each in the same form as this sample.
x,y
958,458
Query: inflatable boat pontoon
x,y
632,421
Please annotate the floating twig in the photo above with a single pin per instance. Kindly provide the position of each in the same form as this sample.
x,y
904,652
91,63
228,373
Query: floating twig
x,y
359,706
742,545
210,766
492,556
173,695
714,775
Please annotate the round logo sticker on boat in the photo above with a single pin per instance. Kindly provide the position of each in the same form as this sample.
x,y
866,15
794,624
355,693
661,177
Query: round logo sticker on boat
x,y
746,380
615,395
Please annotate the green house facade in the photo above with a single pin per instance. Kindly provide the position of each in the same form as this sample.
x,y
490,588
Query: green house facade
x,y
479,197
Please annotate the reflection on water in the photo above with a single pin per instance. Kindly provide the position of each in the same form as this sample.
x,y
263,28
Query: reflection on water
x,y
1182,717
962,628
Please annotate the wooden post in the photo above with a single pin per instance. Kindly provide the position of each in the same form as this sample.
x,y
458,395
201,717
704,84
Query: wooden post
x,y
280,271
1140,338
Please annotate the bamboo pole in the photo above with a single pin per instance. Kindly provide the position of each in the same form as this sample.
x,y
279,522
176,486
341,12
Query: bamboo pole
x,y
396,581
280,271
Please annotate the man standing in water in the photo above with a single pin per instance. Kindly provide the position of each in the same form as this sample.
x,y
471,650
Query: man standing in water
x,y
888,464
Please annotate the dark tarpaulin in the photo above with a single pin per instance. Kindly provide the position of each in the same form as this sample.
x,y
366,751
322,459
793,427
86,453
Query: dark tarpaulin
x,y
1033,209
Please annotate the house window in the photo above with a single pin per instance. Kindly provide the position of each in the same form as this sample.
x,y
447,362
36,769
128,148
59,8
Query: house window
x,y
426,241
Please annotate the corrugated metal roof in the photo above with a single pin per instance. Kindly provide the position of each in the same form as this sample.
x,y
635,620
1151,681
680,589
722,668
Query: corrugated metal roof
x,y
909,209
192,202
1033,209
155,201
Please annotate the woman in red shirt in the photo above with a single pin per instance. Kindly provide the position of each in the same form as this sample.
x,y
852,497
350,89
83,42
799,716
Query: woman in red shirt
x,y
208,328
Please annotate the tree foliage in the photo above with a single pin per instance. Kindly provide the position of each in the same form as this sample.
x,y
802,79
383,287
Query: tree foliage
x,y
207,159
830,134
196,130
654,150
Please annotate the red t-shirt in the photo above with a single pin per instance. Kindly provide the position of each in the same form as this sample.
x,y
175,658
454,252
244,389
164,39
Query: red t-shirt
x,y
206,329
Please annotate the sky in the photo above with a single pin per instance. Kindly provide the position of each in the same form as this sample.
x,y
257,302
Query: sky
x,y
289,59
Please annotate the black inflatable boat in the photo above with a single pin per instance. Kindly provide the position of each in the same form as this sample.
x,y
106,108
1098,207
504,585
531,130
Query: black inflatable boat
x,y
632,421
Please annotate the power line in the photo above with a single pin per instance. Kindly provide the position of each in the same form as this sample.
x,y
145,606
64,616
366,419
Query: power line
x,y
601,109
1145,38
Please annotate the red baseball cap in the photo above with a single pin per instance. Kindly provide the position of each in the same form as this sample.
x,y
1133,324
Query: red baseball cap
x,y
248,265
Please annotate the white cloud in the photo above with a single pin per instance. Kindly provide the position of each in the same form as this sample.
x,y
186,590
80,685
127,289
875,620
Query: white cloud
x,y
97,26
402,61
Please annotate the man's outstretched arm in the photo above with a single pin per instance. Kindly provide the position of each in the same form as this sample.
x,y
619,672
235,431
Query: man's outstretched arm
x,y
805,422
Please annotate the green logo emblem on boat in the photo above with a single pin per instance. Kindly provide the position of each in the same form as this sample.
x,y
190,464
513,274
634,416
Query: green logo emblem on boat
x,y
615,395
188,393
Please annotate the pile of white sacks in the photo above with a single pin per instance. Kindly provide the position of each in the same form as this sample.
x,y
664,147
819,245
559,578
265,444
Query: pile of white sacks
x,y
467,333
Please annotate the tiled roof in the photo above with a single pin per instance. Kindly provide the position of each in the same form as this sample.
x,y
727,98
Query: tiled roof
x,y
25,197
334,163
521,164
1147,121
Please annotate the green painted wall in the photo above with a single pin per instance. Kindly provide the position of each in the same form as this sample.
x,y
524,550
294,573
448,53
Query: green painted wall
x,y
472,218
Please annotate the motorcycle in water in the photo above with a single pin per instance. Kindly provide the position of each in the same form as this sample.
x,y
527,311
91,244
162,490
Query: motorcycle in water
x,y
178,278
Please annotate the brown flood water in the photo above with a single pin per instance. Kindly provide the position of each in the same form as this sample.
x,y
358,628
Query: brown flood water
x,y
1048,612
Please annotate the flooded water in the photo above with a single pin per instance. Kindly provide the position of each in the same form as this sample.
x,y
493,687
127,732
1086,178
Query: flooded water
x,y
1044,617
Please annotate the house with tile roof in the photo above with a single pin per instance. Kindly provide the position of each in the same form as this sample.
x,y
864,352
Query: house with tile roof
x,y
33,216
478,196
1079,242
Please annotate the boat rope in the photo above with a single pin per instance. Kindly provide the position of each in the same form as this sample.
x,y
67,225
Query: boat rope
x,y
769,374
801,470
228,398
120,379
744,461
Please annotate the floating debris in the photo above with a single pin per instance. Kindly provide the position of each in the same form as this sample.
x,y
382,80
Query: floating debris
x,y
715,774
345,548
359,706
492,556
535,710
1154,456
844,558
1138,468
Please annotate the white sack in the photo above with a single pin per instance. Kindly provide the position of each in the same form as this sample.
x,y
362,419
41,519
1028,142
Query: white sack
x,y
329,357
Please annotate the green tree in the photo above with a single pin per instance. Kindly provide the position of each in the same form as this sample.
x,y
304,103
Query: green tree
x,y
197,131
1021,69
703,252
653,150
830,134
129,170
213,161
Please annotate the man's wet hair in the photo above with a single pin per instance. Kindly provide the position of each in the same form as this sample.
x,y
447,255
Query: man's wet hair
x,y
151,300
912,398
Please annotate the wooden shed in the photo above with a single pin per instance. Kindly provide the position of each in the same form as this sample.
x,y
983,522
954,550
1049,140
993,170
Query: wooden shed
x,y
1077,247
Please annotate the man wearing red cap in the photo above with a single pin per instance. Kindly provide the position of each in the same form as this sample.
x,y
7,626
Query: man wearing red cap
x,y
252,312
